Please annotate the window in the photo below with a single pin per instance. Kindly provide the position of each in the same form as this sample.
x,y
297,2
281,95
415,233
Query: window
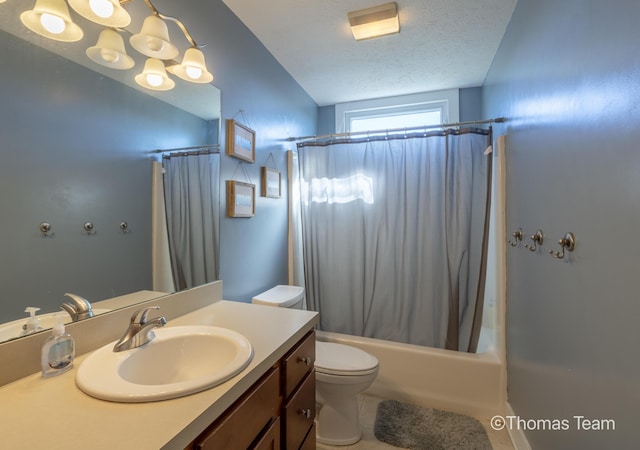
x,y
431,108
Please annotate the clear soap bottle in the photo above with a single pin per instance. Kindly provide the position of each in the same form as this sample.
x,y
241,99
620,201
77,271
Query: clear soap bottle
x,y
58,351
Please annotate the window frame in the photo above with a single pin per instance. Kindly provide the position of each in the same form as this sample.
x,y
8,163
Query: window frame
x,y
447,102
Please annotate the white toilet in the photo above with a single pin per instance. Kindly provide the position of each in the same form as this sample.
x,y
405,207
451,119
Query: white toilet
x,y
342,372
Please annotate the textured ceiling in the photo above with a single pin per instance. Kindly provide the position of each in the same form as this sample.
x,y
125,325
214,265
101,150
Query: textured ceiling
x,y
442,44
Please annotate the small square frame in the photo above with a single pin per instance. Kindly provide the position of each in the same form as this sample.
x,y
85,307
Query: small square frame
x,y
271,182
241,199
241,141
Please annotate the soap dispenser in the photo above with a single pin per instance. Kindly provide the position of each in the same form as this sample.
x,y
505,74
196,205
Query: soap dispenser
x,y
58,351
33,324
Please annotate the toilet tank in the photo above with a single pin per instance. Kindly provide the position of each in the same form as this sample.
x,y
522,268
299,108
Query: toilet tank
x,y
283,296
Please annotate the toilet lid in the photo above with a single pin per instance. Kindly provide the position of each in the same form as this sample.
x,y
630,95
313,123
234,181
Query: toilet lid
x,y
342,359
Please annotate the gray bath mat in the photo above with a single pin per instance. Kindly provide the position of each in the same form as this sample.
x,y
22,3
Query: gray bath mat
x,y
417,428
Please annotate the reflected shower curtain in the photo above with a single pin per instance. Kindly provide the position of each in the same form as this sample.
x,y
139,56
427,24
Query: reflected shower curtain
x,y
191,188
394,235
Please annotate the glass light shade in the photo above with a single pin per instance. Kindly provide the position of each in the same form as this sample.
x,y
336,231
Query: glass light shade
x,y
153,39
51,19
104,12
193,67
110,51
154,76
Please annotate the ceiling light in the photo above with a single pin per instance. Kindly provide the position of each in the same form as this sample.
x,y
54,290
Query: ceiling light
x,y
374,22
51,19
104,12
193,68
154,76
110,52
153,39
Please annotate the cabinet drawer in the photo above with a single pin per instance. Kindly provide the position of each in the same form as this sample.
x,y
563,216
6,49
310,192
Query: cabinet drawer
x,y
299,413
299,362
271,438
244,421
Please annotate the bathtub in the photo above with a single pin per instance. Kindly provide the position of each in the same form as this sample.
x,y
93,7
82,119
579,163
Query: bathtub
x,y
467,383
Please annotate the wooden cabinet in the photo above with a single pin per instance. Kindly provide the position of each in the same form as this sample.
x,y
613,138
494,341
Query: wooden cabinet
x,y
276,413
299,392
245,421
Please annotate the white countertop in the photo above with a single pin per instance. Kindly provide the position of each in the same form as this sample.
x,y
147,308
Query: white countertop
x,y
53,413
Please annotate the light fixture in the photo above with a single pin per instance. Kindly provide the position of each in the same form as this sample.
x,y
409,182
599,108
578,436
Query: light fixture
x,y
154,76
153,39
110,52
193,68
374,22
51,19
104,12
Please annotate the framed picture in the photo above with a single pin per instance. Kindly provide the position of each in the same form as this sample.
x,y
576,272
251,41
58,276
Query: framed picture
x,y
271,180
241,141
241,199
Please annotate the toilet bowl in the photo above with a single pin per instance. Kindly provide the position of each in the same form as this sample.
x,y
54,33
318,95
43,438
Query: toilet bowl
x,y
342,372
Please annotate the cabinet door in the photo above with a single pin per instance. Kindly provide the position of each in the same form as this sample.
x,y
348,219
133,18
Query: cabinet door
x,y
299,362
310,441
244,421
299,413
271,438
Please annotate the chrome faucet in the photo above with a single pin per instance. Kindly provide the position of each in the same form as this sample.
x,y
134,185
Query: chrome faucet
x,y
78,308
140,330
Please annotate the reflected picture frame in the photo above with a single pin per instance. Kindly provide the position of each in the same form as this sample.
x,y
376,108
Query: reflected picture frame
x,y
241,141
271,183
241,199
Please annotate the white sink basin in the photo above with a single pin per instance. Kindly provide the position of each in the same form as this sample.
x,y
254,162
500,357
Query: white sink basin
x,y
178,362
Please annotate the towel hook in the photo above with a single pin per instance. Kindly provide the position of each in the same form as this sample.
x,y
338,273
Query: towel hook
x,y
124,227
89,228
518,235
45,229
567,242
537,239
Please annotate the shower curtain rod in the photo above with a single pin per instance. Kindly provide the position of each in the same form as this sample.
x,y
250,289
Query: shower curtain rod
x,y
394,130
186,151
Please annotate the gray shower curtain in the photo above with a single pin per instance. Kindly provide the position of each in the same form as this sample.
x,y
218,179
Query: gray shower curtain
x,y
393,235
191,189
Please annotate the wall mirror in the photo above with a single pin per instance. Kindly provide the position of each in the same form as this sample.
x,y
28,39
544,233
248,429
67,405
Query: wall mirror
x,y
78,147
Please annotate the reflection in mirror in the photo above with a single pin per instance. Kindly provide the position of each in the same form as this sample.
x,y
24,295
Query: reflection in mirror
x,y
78,147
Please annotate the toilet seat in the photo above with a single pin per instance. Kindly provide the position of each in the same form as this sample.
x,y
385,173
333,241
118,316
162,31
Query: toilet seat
x,y
343,360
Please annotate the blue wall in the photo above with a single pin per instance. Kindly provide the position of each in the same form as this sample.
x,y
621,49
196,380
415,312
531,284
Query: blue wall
x,y
253,251
567,75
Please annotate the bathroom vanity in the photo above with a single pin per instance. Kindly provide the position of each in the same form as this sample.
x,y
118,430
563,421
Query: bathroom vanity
x,y
269,405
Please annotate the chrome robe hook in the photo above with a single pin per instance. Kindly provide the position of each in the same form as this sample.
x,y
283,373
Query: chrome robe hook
x,y
537,239
518,235
568,242
45,229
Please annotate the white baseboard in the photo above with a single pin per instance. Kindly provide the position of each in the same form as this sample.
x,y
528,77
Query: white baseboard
x,y
517,436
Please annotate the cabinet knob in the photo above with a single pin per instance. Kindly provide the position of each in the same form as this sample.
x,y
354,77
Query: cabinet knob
x,y
306,360
305,413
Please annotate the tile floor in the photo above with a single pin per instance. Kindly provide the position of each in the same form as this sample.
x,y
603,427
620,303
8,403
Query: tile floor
x,y
368,405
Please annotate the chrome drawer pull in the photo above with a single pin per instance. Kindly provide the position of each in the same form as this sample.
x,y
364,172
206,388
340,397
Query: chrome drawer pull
x,y
306,360
306,413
